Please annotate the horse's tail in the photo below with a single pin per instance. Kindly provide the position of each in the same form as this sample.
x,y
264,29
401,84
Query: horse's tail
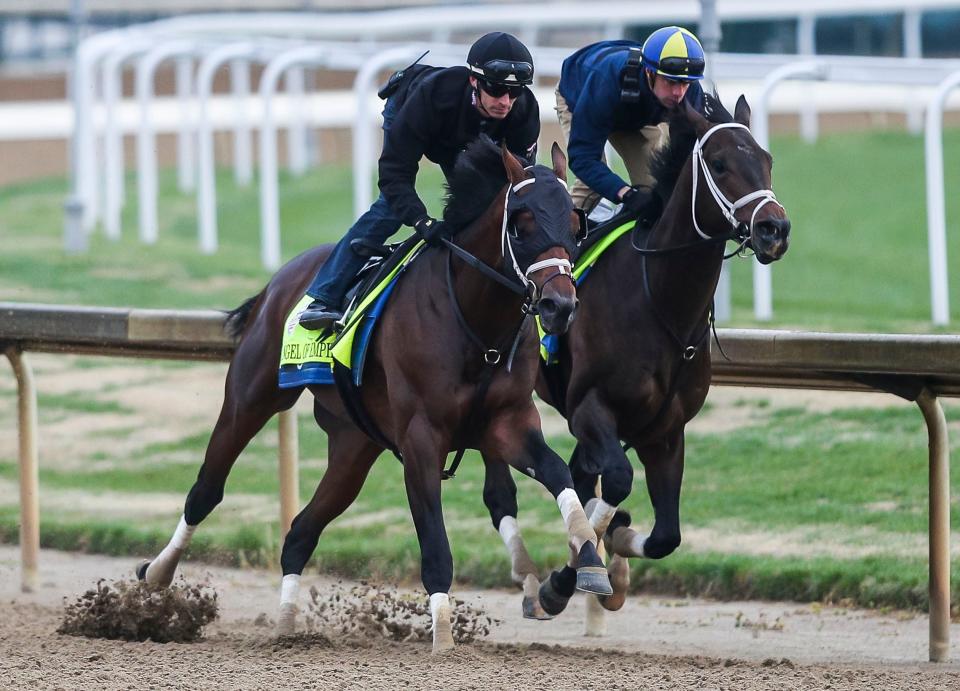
x,y
237,318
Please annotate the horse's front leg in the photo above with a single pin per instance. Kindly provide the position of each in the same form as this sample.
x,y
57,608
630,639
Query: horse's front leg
x,y
516,437
422,448
500,497
663,463
598,454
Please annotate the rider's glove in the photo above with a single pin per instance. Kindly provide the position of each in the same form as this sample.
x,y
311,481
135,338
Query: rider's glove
x,y
641,203
431,230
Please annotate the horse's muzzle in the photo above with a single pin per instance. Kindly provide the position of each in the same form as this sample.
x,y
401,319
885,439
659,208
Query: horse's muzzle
x,y
557,313
771,237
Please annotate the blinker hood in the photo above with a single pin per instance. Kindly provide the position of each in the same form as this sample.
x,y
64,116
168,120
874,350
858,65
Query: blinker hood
x,y
550,204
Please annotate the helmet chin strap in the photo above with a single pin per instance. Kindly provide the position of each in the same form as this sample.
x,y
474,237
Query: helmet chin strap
x,y
727,207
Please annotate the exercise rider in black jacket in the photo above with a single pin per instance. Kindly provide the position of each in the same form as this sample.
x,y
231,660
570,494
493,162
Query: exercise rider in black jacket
x,y
433,112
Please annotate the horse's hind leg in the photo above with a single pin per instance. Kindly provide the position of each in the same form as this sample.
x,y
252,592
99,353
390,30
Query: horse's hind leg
x,y
350,456
250,400
500,497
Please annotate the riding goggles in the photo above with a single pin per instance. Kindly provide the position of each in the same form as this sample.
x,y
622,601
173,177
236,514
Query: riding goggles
x,y
505,72
498,90
681,67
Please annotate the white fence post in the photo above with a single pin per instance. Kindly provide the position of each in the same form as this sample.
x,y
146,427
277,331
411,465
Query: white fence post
x,y
146,143
913,48
295,82
760,121
807,46
242,147
187,126
269,195
936,208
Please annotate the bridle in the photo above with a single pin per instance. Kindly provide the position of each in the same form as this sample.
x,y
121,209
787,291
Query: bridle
x,y
740,231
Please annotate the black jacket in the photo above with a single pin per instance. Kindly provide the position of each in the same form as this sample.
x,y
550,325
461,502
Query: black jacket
x,y
437,118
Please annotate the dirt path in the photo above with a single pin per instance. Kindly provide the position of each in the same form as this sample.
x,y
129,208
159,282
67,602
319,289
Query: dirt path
x,y
651,643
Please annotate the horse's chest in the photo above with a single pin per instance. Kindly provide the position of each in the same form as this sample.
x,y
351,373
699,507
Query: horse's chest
x,y
661,398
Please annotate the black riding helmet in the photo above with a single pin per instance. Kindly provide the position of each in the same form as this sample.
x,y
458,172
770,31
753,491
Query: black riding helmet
x,y
500,58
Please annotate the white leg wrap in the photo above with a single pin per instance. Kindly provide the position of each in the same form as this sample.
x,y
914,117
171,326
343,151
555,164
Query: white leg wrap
x,y
289,593
508,528
627,542
521,565
600,514
637,545
568,501
578,527
442,614
290,589
161,570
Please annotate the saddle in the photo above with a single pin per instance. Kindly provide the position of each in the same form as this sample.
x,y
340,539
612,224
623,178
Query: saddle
x,y
308,357
381,260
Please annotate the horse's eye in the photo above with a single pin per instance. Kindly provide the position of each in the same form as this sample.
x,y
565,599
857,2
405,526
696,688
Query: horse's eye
x,y
718,166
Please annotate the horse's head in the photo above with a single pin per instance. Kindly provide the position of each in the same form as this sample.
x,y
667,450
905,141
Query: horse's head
x,y
734,174
540,230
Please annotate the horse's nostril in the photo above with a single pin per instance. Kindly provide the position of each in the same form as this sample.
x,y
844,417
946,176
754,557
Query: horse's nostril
x,y
774,228
547,307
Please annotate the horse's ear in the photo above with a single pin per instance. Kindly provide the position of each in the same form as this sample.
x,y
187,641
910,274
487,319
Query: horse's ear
x,y
741,113
559,161
513,167
700,123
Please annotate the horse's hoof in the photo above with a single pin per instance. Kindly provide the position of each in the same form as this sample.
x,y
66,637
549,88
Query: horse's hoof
x,y
443,630
556,591
594,579
142,570
287,620
532,609
619,572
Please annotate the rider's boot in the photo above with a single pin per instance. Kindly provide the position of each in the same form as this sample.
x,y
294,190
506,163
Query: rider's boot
x,y
319,316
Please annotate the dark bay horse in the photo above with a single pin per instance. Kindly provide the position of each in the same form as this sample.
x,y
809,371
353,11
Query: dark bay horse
x,y
635,367
435,355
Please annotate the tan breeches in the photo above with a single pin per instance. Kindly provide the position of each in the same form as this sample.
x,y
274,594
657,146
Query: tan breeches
x,y
636,148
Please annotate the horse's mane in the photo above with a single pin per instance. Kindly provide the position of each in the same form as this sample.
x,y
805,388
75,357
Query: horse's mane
x,y
669,161
478,176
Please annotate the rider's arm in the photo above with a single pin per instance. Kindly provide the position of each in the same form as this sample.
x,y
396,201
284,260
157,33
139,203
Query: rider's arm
x,y
591,124
403,146
524,132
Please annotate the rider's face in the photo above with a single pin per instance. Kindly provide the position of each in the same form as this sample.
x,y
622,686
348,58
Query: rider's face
x,y
497,107
668,91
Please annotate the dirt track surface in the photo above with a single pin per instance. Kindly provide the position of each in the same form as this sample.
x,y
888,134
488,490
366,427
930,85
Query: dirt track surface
x,y
652,643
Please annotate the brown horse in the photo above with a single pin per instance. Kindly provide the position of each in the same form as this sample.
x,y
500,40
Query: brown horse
x,y
635,367
434,380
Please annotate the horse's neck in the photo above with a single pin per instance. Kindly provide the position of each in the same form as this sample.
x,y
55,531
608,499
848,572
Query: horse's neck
x,y
682,283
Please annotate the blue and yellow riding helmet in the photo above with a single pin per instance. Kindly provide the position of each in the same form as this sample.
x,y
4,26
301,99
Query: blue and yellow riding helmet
x,y
674,53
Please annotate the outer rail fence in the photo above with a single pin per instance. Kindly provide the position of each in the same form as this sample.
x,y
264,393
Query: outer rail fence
x,y
916,368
